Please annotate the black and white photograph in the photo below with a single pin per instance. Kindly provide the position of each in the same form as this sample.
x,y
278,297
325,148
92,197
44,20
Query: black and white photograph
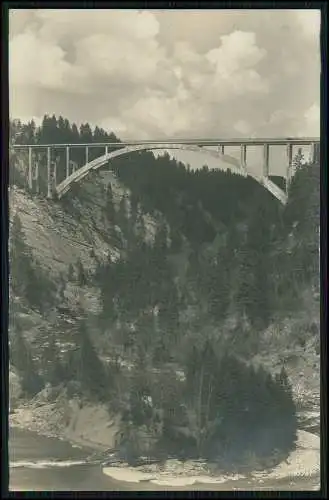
x,y
164,249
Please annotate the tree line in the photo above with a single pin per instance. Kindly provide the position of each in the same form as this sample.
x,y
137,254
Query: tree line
x,y
53,130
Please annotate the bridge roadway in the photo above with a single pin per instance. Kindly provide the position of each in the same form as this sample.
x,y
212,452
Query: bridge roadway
x,y
277,141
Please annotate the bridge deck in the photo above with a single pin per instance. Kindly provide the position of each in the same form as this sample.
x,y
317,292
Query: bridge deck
x,y
279,141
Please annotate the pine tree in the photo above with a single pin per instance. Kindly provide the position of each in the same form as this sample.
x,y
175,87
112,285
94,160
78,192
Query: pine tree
x,y
21,358
81,274
298,160
53,370
92,372
140,228
61,286
86,135
109,209
20,259
71,273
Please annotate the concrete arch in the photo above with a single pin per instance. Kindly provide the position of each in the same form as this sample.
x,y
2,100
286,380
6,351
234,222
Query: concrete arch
x,y
233,164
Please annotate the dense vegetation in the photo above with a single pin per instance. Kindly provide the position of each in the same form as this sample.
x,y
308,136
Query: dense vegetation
x,y
225,262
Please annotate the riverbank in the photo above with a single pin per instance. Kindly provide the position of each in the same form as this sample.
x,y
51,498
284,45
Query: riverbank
x,y
43,464
303,462
53,414
90,426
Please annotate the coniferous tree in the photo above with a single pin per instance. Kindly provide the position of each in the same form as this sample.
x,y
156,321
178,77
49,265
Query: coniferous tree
x,y
21,358
53,369
20,257
81,274
70,274
110,209
92,372
27,278
298,160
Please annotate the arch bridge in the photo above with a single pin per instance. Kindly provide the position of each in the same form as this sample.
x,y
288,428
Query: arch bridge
x,y
74,173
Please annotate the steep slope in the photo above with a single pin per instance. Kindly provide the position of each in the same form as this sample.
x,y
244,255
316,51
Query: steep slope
x,y
157,276
60,234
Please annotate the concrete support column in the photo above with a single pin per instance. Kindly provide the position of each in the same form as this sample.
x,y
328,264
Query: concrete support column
x,y
243,155
54,176
67,161
266,160
106,150
311,153
49,191
30,180
87,154
36,177
289,165
316,153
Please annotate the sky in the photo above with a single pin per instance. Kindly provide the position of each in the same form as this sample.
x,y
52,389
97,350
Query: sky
x,y
153,74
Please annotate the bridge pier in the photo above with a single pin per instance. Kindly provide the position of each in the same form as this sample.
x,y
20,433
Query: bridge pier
x,y
67,161
243,155
87,155
49,187
106,150
266,160
36,177
315,153
30,175
289,165
73,165
54,174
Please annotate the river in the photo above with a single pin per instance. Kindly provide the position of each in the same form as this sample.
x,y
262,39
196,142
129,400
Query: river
x,y
48,464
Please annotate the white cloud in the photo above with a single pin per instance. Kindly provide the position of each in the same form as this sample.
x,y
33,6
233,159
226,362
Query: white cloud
x,y
242,127
238,51
113,123
234,63
103,57
312,121
79,23
160,114
147,74
310,22
33,64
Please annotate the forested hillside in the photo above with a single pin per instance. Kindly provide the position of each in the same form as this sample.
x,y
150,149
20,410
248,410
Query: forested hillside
x,y
203,265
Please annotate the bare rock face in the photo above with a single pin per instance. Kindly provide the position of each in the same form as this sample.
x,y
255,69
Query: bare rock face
x,y
75,228
56,236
